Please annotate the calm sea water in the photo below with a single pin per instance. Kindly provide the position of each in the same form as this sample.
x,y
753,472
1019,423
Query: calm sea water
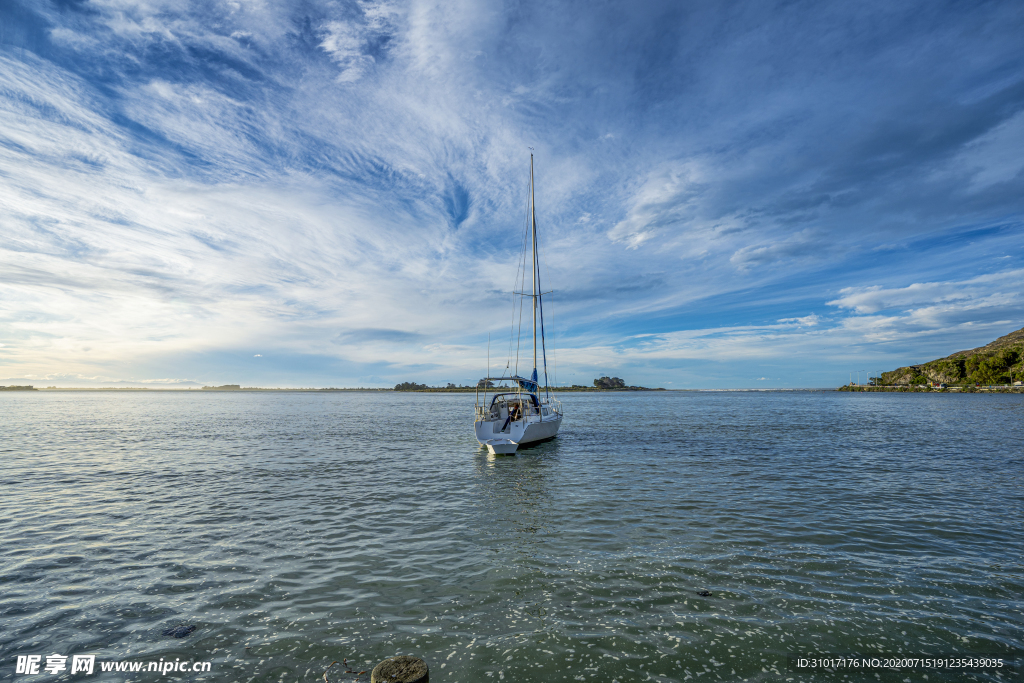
x,y
297,529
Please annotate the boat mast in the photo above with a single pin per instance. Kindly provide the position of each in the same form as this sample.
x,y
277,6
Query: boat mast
x,y
533,207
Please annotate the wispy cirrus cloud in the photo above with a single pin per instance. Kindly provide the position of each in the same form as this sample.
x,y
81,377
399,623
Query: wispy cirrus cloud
x,y
355,44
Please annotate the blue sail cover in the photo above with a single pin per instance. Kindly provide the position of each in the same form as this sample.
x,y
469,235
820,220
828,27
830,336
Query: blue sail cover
x,y
529,385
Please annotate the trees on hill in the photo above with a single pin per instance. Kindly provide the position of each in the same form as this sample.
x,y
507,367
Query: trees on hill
x,y
1002,366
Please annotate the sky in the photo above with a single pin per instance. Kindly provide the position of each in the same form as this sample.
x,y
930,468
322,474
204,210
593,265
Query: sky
x,y
333,193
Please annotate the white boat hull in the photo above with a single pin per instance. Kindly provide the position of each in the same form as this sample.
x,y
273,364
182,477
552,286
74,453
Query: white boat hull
x,y
521,432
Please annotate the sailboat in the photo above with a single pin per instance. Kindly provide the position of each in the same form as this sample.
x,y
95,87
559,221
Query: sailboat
x,y
520,415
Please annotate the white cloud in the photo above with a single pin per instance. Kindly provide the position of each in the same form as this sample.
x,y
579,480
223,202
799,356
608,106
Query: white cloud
x,y
929,296
344,42
667,201
807,320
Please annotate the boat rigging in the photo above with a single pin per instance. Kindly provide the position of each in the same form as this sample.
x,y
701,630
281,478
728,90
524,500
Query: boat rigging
x,y
521,415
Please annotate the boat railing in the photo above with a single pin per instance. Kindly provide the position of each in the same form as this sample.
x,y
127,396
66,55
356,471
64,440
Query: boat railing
x,y
554,404
483,410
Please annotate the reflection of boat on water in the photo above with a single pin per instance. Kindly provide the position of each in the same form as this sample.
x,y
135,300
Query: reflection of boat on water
x,y
520,415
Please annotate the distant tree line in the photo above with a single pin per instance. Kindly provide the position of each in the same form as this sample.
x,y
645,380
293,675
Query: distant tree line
x,y
600,384
413,386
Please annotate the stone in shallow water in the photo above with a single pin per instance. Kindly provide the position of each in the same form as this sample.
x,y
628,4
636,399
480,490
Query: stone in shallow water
x,y
180,631
401,669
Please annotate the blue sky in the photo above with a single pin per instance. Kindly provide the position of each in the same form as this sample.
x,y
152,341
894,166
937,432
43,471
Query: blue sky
x,y
332,193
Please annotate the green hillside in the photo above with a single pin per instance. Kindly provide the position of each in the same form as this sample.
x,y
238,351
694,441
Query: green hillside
x,y
1001,362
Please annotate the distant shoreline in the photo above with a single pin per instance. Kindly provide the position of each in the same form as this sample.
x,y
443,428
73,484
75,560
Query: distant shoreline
x,y
243,390
460,390
199,390
917,389
491,390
